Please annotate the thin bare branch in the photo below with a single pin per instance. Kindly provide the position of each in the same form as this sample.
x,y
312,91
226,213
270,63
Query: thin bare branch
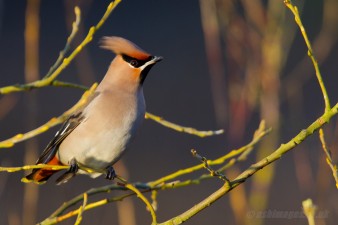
x,y
277,154
51,123
81,209
180,128
48,80
298,20
328,154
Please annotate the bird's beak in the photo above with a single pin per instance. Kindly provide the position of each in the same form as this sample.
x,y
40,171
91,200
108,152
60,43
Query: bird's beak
x,y
156,59
152,61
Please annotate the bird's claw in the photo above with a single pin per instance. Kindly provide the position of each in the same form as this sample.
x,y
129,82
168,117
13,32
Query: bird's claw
x,y
71,172
110,173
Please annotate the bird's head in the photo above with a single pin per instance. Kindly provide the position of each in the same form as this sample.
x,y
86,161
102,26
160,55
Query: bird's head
x,y
131,62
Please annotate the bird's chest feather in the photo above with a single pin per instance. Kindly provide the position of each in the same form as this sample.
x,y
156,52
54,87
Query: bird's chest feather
x,y
106,131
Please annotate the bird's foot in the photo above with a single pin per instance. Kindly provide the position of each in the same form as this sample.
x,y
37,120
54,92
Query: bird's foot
x,y
71,172
110,173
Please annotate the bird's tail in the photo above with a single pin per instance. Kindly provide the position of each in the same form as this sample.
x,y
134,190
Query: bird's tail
x,y
40,176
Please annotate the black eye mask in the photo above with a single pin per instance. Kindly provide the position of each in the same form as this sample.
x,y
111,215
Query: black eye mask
x,y
136,63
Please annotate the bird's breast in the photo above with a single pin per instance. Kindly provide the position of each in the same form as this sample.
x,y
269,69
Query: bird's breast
x,y
110,123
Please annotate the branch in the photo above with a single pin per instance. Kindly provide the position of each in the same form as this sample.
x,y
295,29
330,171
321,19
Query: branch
x,y
206,165
277,154
145,200
55,121
309,210
295,12
146,187
329,160
58,83
51,76
58,217
75,29
160,183
180,128
259,134
58,67
51,123
81,209
30,167
54,219
141,196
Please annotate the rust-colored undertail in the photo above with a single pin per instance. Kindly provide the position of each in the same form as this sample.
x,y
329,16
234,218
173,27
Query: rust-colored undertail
x,y
40,176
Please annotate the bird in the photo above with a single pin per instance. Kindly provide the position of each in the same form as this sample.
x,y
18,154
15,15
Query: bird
x,y
98,134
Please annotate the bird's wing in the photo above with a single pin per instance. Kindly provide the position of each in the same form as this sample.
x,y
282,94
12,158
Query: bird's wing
x,y
67,127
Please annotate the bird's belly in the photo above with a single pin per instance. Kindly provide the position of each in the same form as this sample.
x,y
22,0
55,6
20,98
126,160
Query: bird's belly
x,y
100,149
102,137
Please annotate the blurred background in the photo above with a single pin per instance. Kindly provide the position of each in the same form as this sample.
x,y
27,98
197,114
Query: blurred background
x,y
227,65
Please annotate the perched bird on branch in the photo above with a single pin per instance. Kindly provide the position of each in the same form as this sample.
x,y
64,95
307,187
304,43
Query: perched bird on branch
x,y
96,135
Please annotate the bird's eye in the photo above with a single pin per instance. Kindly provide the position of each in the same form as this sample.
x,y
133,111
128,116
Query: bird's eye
x,y
134,62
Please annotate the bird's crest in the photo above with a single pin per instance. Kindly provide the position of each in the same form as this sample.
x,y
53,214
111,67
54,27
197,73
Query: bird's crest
x,y
121,46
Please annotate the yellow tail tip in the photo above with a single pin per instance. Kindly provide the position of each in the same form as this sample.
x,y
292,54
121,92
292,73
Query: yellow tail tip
x,y
25,180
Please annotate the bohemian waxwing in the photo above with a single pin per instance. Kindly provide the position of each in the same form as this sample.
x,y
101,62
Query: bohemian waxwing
x,y
96,136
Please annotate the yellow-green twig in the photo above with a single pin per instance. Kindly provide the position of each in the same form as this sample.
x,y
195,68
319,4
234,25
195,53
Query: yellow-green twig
x,y
87,40
57,217
55,220
180,128
284,148
30,167
145,200
259,133
75,29
277,154
81,209
55,121
242,152
151,186
309,210
257,137
212,172
51,123
298,20
58,83
329,157
141,196
47,80
154,194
